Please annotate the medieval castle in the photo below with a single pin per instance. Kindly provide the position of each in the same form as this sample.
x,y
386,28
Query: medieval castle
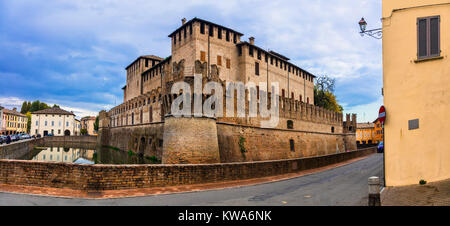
x,y
143,122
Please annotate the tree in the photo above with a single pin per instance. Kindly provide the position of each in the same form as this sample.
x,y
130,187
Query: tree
x,y
83,131
24,108
324,96
28,122
96,124
34,106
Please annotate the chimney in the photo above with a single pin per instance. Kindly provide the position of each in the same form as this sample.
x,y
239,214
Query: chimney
x,y
183,21
252,40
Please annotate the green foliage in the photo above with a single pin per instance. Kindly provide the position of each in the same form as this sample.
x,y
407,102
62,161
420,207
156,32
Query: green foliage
x,y
324,96
96,124
153,159
130,153
422,182
83,131
95,158
242,144
28,121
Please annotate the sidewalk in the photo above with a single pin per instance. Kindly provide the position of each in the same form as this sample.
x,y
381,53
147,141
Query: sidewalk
x,y
430,194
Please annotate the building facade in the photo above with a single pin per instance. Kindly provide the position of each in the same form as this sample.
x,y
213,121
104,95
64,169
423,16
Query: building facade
x,y
13,122
87,123
365,133
54,121
143,123
2,129
416,82
77,129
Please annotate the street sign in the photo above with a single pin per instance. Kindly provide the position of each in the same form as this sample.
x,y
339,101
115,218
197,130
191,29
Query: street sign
x,y
382,114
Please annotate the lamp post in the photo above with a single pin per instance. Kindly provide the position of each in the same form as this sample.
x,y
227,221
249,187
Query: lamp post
x,y
374,33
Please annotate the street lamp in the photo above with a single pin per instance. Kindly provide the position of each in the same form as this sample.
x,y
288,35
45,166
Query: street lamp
x,y
374,33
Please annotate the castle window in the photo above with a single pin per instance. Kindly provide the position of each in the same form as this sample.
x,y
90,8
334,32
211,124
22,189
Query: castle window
x,y
202,56
234,38
179,36
282,93
219,60
211,30
190,29
257,92
256,68
227,36
219,33
290,124
228,63
301,100
175,39
202,28
292,145
332,129
146,62
239,50
428,37
276,62
250,50
307,100
259,54
266,57
292,95
271,60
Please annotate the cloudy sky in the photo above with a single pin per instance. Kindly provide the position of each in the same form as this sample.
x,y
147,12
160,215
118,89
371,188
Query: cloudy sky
x,y
73,53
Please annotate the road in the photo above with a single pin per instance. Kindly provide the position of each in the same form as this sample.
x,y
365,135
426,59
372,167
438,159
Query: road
x,y
344,185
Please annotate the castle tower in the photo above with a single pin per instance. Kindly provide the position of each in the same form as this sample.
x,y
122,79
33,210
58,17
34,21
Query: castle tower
x,y
188,139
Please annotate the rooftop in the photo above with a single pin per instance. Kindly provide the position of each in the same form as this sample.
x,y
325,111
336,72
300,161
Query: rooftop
x,y
153,57
365,125
195,19
12,112
54,110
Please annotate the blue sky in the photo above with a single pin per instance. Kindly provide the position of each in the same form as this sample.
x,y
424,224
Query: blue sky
x,y
73,53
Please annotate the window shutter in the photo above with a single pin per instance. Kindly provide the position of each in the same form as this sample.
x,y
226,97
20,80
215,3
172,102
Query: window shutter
x,y
422,37
434,36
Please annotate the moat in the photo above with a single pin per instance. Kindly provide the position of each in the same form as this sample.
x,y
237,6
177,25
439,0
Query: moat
x,y
83,155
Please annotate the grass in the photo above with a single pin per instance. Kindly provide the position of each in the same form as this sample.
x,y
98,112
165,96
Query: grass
x,y
153,159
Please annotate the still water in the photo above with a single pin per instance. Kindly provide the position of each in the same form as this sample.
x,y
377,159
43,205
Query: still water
x,y
100,155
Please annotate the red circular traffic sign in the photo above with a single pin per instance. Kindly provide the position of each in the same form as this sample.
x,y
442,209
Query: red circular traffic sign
x,y
382,114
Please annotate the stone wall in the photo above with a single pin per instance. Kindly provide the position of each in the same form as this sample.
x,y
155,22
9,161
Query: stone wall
x,y
115,177
145,139
239,143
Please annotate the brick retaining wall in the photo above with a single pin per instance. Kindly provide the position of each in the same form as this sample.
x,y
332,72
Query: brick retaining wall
x,y
116,177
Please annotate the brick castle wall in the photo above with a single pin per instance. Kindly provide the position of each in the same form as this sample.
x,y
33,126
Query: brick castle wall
x,y
116,177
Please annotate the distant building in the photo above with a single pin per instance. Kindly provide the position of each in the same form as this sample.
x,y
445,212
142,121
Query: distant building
x,y
378,127
13,122
365,133
416,84
77,131
1,120
54,121
88,124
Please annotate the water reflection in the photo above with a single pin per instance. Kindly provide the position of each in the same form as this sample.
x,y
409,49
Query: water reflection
x,y
69,155
100,155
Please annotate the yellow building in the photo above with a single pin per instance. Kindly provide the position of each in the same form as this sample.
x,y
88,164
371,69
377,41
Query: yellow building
x,y
416,80
378,130
15,122
365,133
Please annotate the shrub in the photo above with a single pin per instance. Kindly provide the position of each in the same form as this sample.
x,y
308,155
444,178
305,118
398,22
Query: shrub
x,y
422,182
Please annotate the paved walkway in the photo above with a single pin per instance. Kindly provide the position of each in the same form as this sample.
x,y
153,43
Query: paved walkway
x,y
343,185
430,194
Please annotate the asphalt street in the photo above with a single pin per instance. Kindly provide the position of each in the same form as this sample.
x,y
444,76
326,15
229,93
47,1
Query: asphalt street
x,y
341,186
